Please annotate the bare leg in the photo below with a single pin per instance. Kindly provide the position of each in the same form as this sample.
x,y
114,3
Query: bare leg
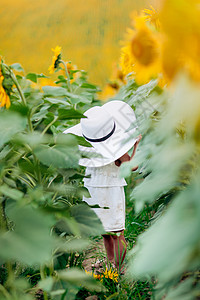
x,y
108,243
115,248
119,245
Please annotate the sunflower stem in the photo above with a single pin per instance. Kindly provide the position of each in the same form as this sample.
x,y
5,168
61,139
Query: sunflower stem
x,y
67,73
49,125
14,79
43,276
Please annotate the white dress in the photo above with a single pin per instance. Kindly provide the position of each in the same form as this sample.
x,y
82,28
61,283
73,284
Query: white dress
x,y
107,190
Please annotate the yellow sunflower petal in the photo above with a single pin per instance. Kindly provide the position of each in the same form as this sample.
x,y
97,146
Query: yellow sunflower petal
x,y
141,54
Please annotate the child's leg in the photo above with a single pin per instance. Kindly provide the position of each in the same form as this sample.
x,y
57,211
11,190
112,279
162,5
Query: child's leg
x,y
115,247
119,247
108,243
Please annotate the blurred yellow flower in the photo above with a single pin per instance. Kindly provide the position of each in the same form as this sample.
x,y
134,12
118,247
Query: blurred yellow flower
x,y
109,90
141,54
4,98
152,15
181,26
55,60
126,60
117,74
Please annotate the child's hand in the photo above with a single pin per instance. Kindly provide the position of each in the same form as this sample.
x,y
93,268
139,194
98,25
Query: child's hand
x,y
134,168
138,139
126,156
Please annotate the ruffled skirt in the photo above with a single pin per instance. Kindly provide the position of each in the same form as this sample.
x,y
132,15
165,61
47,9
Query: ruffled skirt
x,y
112,206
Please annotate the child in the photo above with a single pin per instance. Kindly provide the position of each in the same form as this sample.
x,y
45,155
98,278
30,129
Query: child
x,y
109,129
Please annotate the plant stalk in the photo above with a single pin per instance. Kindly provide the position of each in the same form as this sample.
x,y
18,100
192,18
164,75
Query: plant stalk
x,y
18,87
43,276
49,125
67,73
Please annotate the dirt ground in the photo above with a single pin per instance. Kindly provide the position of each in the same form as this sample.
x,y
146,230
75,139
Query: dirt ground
x,y
95,253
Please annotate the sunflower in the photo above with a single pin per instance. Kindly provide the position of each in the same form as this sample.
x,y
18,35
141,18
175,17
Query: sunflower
x,y
109,90
181,51
55,59
141,53
152,15
4,98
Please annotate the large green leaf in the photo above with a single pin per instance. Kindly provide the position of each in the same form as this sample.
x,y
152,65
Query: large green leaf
x,y
68,114
17,67
171,245
54,91
88,221
57,101
32,77
183,291
75,244
30,242
58,156
10,124
10,192
142,92
76,276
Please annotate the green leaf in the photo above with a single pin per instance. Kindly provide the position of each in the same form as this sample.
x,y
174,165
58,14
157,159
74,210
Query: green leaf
x,y
89,86
83,98
184,291
142,92
42,76
46,284
77,277
88,221
58,156
69,189
20,108
42,113
57,101
11,193
32,76
33,139
10,124
30,241
169,246
68,114
17,67
75,245
54,91
4,152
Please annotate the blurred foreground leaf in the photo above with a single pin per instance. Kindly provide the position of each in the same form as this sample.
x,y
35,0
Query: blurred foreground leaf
x,y
171,245
10,124
87,220
30,241
75,276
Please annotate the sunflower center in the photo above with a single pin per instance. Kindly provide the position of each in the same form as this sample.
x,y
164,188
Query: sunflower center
x,y
143,47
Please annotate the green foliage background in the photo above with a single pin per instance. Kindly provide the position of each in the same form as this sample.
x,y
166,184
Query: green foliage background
x,y
42,220
44,225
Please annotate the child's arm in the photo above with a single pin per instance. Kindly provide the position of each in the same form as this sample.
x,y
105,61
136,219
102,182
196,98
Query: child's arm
x,y
134,150
126,156
135,146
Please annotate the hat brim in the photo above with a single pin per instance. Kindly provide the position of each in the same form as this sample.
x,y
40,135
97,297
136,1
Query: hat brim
x,y
121,141
100,161
74,130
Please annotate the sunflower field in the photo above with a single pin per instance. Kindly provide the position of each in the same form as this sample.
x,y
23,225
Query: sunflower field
x,y
50,239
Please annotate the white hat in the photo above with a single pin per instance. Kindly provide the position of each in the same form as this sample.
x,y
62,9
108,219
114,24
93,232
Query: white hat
x,y
108,128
